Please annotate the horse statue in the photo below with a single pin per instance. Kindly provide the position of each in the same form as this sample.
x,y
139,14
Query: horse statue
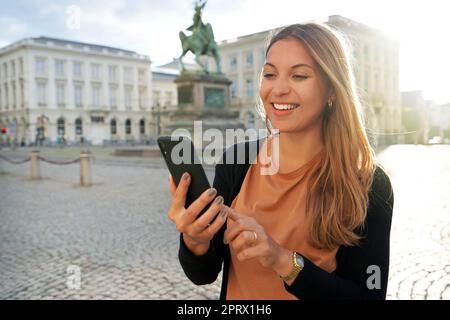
x,y
201,42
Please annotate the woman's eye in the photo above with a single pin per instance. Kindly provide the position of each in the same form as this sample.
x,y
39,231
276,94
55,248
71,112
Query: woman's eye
x,y
300,77
268,75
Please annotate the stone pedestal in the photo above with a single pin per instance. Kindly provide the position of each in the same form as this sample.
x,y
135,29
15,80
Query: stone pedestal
x,y
203,92
204,97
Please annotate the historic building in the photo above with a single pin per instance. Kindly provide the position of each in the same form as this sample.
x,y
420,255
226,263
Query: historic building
x,y
54,90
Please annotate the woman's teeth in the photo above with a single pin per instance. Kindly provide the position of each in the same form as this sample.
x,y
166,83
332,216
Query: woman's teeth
x,y
285,106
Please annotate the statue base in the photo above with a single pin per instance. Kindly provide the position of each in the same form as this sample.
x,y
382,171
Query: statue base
x,y
203,97
203,91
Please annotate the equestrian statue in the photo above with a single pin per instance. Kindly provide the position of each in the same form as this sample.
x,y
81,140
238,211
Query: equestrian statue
x,y
201,42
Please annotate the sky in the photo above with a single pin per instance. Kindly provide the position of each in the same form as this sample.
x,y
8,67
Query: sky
x,y
151,27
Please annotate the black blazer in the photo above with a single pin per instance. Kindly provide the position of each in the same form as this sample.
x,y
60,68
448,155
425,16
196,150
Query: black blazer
x,y
362,271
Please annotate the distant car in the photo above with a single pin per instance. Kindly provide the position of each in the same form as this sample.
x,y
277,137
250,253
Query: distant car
x,y
435,140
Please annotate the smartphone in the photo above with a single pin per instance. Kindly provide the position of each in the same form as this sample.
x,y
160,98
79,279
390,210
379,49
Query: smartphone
x,y
179,154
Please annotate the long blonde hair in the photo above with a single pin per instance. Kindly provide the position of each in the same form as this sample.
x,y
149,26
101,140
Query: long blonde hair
x,y
338,188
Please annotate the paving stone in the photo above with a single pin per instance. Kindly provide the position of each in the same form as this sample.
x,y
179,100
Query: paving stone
x,y
118,234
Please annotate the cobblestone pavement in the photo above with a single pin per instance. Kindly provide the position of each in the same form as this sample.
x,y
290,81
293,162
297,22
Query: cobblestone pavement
x,y
117,233
420,236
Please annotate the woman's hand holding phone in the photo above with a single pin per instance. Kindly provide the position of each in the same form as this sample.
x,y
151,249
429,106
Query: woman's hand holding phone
x,y
197,232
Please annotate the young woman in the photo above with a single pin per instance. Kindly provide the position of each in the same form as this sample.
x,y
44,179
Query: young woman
x,y
319,227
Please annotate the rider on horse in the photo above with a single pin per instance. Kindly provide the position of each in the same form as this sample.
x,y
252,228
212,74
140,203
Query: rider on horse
x,y
201,42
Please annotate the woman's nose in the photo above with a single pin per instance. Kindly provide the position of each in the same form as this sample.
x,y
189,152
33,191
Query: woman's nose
x,y
281,87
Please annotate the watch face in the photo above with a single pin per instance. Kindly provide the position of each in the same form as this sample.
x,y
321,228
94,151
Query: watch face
x,y
299,260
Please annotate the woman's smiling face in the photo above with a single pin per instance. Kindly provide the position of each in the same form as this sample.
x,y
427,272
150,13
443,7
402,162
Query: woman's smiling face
x,y
293,89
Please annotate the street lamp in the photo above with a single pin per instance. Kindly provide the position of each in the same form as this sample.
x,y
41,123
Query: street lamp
x,y
158,113
40,129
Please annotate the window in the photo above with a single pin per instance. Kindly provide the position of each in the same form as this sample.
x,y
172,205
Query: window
x,y
141,75
128,126
113,126
366,53
142,126
60,94
59,68
77,69
78,95
42,96
250,120
168,98
128,98
112,71
142,97
40,65
61,127
78,127
14,99
249,59
233,63
13,69
6,97
113,97
156,98
20,66
5,70
233,89
22,93
95,71
127,74
249,87
96,96
262,57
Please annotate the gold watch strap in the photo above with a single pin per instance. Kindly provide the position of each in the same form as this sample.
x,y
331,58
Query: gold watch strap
x,y
296,268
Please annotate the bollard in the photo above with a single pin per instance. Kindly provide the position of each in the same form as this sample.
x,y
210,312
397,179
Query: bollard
x,y
35,170
85,172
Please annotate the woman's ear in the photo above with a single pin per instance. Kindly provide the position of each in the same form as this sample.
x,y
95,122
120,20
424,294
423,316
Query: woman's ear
x,y
331,95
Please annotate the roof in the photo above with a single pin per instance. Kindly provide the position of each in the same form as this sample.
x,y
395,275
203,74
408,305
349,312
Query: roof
x,y
159,73
73,45
175,65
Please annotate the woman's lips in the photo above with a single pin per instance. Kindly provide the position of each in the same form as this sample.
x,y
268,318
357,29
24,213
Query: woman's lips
x,y
283,109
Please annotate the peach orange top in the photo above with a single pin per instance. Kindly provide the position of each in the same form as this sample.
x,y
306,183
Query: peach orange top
x,y
277,202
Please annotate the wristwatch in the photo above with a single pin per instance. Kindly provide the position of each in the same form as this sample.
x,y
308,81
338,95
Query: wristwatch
x,y
297,265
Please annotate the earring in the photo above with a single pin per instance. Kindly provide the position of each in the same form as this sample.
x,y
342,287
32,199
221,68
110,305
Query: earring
x,y
330,103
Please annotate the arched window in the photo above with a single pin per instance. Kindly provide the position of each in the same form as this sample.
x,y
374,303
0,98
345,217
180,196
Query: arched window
x,y
113,126
128,126
78,126
61,127
142,126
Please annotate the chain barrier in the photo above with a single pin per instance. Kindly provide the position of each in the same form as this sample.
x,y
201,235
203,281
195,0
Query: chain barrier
x,y
14,161
59,162
84,159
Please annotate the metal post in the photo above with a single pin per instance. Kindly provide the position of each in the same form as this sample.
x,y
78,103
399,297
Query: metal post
x,y
85,172
35,170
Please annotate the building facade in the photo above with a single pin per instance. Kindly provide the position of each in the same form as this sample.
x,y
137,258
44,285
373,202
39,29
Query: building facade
x,y
165,97
54,91
374,58
415,117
